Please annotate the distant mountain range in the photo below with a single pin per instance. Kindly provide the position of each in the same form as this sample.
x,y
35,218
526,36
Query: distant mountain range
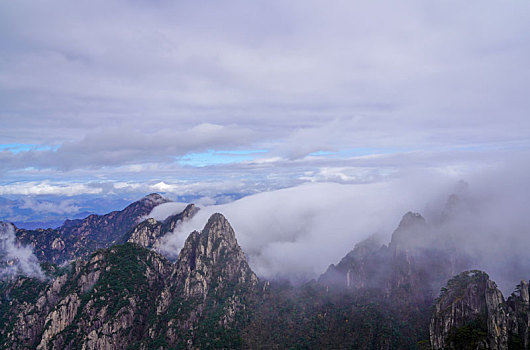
x,y
47,211
51,211
108,288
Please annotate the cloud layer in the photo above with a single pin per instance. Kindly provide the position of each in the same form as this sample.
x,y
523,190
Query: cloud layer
x,y
297,232
119,92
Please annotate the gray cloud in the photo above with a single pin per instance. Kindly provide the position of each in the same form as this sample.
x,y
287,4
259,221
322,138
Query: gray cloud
x,y
295,77
120,146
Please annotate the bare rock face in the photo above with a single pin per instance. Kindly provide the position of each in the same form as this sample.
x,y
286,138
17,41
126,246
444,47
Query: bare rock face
x,y
212,258
471,313
519,321
149,232
360,268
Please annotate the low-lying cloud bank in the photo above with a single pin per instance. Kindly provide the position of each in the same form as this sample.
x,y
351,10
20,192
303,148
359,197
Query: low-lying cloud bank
x,y
297,232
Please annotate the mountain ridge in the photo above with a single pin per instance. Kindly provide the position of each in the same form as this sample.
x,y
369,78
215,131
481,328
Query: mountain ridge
x,y
80,237
377,297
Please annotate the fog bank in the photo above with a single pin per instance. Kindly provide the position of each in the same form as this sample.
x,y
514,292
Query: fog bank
x,y
297,232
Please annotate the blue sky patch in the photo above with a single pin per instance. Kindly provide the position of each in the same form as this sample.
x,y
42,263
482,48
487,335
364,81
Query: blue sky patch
x,y
214,157
24,147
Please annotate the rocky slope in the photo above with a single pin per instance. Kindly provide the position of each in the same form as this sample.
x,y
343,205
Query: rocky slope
x,y
471,313
127,296
77,238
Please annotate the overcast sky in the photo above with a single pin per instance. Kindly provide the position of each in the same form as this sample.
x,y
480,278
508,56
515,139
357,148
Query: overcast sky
x,y
212,97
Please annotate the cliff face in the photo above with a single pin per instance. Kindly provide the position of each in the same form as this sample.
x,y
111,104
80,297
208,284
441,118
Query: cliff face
x,y
410,268
376,297
213,258
77,238
127,295
472,313
519,322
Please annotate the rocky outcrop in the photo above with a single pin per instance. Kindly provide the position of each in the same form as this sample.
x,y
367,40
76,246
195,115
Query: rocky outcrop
x,y
149,232
212,258
79,238
471,313
519,321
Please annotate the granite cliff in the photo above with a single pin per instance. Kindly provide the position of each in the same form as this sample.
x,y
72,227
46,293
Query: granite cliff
x,y
471,313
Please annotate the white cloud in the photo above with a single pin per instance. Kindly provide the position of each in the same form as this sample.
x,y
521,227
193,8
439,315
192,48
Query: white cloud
x,y
164,210
47,188
298,232
16,259
62,207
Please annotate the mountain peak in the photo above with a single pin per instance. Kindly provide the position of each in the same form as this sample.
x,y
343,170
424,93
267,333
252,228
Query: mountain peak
x,y
212,257
470,304
218,225
411,219
155,198
410,232
189,211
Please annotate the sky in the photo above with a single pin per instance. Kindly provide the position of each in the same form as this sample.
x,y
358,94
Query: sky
x,y
210,98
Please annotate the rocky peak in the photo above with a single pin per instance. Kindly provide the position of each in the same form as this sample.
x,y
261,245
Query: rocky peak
x,y
410,232
105,302
154,198
411,219
213,257
471,312
189,211
358,269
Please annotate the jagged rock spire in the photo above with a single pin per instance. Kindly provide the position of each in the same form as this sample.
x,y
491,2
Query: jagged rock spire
x,y
410,232
213,257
